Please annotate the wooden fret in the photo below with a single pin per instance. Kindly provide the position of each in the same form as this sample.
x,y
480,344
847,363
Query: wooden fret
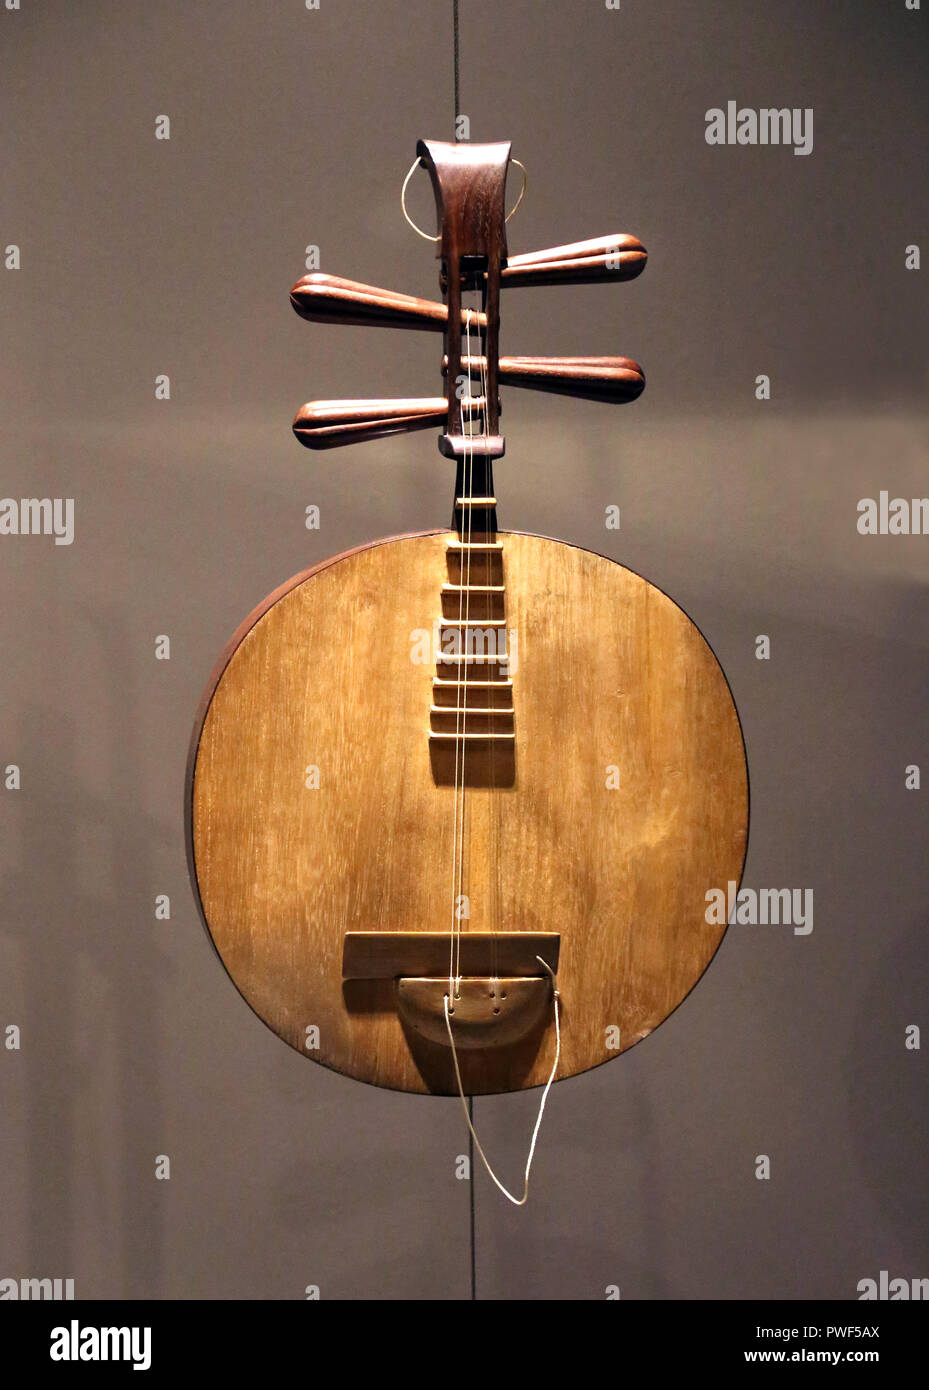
x,y
449,624
474,685
438,734
494,710
478,658
474,588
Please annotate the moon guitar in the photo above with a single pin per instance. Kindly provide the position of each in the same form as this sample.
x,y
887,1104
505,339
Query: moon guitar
x,y
455,799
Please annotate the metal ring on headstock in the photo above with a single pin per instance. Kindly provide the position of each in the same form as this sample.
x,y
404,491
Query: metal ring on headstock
x,y
425,235
522,192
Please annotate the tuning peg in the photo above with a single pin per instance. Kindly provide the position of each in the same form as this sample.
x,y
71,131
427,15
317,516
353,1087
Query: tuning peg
x,y
618,257
330,299
590,378
326,424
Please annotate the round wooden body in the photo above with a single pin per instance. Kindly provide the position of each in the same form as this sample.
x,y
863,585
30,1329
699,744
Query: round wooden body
x,y
621,802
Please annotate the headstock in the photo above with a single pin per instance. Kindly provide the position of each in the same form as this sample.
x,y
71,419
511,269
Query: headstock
x,y
468,182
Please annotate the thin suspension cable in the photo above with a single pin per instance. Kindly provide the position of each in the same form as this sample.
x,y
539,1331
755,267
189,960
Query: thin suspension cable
x,y
471,1200
456,61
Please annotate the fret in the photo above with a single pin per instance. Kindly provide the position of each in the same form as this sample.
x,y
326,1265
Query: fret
x,y
478,658
474,685
449,624
438,734
473,588
472,696
472,709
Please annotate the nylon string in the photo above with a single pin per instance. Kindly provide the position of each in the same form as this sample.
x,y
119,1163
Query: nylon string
x,y
517,1201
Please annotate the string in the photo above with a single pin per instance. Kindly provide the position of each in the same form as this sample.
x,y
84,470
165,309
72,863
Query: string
x,y
464,629
461,698
517,1201
491,696
452,968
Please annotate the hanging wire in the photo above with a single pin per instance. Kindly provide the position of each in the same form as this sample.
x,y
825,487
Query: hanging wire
x,y
455,32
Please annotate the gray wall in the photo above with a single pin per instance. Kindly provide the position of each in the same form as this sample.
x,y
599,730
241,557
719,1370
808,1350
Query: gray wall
x,y
142,257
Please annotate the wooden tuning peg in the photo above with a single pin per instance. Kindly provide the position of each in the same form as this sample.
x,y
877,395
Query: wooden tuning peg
x,y
618,257
614,379
327,424
330,299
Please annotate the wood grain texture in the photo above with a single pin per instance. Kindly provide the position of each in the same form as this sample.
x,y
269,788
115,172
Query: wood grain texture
x,y
610,672
391,955
615,379
617,257
323,298
469,182
328,424
485,1013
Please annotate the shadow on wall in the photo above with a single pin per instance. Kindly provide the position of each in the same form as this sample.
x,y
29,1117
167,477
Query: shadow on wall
x,y
888,1091
94,1037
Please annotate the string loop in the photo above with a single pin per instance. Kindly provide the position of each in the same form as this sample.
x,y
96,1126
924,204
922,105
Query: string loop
x,y
425,235
517,1201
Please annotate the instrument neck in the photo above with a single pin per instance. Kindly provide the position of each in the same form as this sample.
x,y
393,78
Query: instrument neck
x,y
474,514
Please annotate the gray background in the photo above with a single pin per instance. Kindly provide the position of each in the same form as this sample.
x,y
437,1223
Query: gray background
x,y
142,257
